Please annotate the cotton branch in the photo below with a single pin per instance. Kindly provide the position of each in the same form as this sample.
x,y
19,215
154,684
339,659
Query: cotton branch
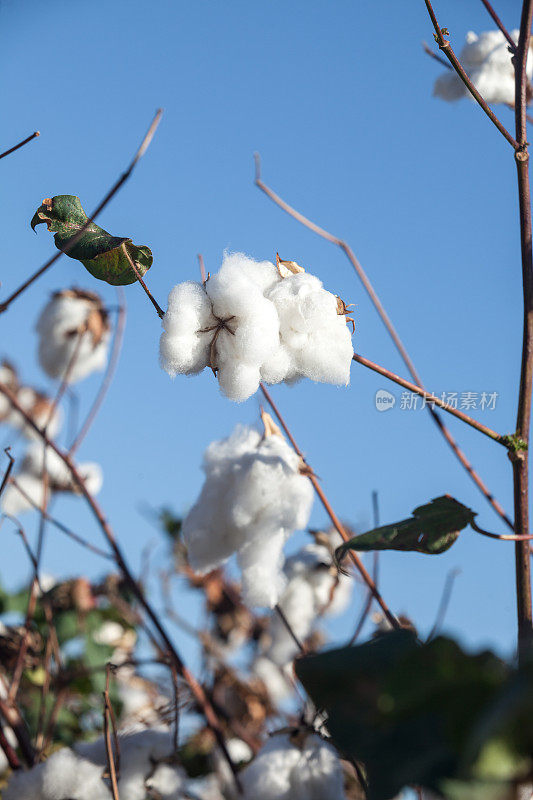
x,y
431,398
197,690
347,250
110,194
446,48
501,26
20,144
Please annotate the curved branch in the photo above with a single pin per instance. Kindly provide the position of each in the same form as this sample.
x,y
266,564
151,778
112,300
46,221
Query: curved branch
x,y
20,144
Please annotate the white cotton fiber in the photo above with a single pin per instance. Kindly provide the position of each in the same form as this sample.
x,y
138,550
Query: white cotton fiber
x,y
294,770
249,323
312,584
315,341
16,501
139,752
252,500
274,677
63,776
74,335
487,61
167,783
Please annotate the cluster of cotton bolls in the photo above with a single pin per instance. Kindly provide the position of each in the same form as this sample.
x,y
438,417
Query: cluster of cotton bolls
x,y
253,498
28,488
145,768
487,61
254,321
74,333
314,589
294,767
36,404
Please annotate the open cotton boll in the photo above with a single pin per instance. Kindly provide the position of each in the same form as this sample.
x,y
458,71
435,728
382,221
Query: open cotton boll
x,y
74,335
40,408
252,499
63,775
8,377
263,273
29,496
274,677
487,61
315,341
183,348
167,782
294,770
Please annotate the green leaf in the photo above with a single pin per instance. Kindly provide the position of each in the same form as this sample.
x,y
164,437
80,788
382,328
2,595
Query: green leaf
x,y
101,254
432,529
429,714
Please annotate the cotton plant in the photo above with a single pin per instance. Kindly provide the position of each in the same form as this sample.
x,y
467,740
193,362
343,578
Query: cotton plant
x,y
29,488
36,404
487,61
74,334
78,774
255,321
254,497
299,766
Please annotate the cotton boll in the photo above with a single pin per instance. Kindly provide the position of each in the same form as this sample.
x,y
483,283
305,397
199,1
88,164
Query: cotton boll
x,y
167,782
92,476
252,499
294,770
205,788
274,677
40,409
313,333
16,501
63,775
238,381
184,349
74,335
487,61
8,377
263,273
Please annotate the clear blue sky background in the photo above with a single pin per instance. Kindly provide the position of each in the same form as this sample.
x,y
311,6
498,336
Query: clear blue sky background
x,y
336,96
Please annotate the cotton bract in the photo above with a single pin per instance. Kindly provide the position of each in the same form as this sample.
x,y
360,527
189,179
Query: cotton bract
x,y
291,769
487,62
74,334
253,322
252,499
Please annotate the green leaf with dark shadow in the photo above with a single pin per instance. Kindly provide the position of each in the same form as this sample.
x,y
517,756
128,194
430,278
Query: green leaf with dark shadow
x,y
103,255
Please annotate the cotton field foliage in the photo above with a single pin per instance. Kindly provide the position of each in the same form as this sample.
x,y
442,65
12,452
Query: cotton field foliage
x,y
74,334
487,61
255,321
253,498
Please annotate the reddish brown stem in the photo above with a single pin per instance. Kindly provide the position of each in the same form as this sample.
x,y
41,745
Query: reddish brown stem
x,y
139,277
9,752
363,277
20,144
8,471
500,25
506,537
520,459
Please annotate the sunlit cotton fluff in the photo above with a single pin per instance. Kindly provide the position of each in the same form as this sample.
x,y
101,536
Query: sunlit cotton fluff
x,y
29,490
311,588
487,61
315,341
252,500
225,323
303,767
74,335
36,404
63,775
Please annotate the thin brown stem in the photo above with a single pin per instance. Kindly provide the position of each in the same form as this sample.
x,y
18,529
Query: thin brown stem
x,y
329,510
508,537
520,459
363,277
500,25
139,277
8,471
196,688
9,752
446,48
202,267
430,398
283,617
111,764
20,144
110,194
13,718
444,602
109,373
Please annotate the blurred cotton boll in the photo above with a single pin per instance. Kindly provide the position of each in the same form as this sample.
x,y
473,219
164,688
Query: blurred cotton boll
x,y
253,498
298,767
487,61
74,334
64,774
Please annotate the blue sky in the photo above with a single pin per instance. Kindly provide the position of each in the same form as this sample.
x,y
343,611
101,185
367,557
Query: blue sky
x,y
337,99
